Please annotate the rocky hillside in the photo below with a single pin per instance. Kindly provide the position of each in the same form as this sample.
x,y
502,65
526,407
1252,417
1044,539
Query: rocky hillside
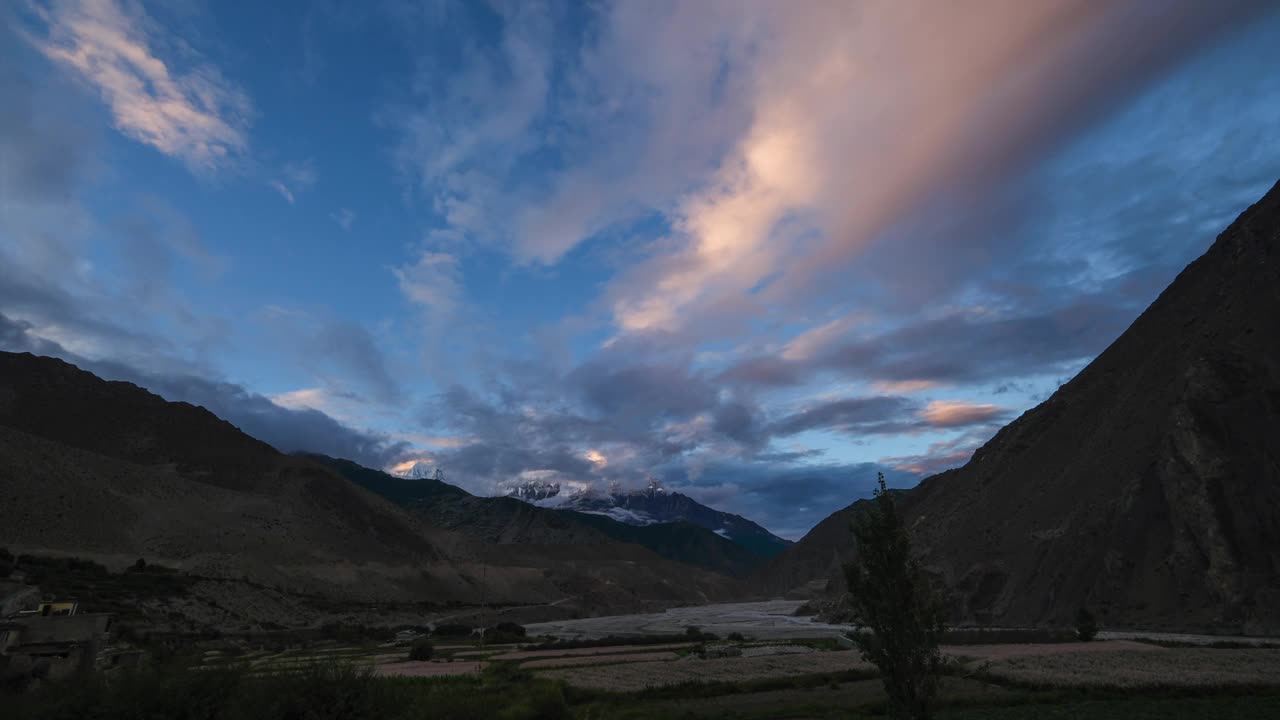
x,y
1147,488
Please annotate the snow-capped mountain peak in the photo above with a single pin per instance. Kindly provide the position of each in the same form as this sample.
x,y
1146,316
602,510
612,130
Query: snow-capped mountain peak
x,y
650,505
420,470
535,491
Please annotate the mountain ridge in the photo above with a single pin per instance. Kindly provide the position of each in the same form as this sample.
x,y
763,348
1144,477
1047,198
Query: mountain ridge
x,y
1147,487
654,504
507,520
110,471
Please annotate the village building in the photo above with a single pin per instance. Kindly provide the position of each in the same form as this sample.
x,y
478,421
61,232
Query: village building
x,y
54,640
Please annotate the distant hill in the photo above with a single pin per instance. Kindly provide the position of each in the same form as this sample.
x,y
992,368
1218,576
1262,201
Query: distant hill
x,y
653,505
506,520
111,472
1146,488
108,469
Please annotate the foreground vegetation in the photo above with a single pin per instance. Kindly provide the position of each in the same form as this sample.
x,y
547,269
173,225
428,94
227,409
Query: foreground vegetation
x,y
334,691
329,692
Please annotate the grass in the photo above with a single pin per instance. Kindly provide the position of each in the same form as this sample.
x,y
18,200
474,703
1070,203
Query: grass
x,y
1000,636
330,692
1221,707
1154,670
335,691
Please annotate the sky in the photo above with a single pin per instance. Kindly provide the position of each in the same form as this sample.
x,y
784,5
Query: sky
x,y
758,251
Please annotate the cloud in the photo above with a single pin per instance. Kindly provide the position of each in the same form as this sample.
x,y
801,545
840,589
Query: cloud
x,y
889,415
433,283
344,217
467,125
961,346
342,354
856,416
838,152
951,414
294,179
190,113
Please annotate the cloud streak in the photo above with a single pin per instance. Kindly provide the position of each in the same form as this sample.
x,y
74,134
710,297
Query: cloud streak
x,y
863,112
192,114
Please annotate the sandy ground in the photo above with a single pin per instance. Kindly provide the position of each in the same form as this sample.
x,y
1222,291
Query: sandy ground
x,y
428,669
772,619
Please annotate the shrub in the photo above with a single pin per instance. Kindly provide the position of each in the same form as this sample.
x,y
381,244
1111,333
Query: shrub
x,y
421,651
1086,625
321,692
893,599
455,630
736,637
509,628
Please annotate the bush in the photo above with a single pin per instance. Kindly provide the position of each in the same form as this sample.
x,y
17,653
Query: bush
x,y
324,692
1086,625
421,651
736,637
454,630
509,628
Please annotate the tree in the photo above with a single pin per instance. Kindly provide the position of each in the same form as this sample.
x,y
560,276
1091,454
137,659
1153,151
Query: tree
x,y
421,651
1086,625
899,613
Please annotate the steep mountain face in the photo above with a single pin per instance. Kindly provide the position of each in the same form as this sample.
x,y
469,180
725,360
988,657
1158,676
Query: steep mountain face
x,y
111,472
1147,488
509,521
654,505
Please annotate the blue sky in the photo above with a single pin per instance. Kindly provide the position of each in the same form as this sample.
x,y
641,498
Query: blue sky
x,y
757,250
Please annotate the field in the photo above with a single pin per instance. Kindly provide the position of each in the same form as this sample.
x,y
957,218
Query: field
x,y
639,676
777,678
1183,668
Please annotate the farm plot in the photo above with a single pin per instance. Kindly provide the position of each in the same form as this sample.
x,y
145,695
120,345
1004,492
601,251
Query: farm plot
x,y
638,676
598,660
1136,670
575,652
427,669
1008,651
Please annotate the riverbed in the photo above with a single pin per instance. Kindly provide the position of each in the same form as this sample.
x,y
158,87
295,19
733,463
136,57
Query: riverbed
x,y
771,619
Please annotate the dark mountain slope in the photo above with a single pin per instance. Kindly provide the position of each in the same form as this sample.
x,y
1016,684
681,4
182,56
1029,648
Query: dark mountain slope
x,y
508,521
1148,487
105,468
110,472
